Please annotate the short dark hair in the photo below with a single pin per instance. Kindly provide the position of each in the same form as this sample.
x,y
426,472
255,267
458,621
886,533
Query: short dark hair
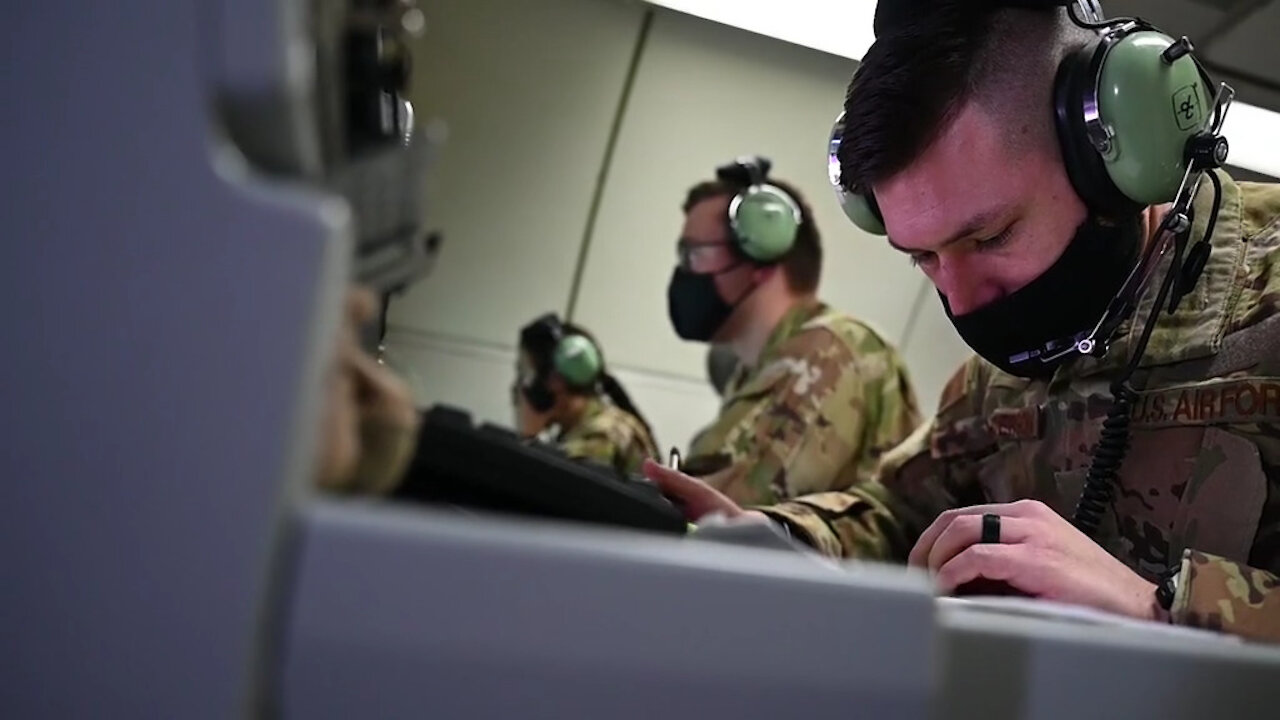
x,y
803,263
915,78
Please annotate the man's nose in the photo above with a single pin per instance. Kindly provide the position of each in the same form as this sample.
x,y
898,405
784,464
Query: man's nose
x,y
964,289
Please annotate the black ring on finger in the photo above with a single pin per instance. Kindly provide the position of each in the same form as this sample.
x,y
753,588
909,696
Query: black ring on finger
x,y
990,528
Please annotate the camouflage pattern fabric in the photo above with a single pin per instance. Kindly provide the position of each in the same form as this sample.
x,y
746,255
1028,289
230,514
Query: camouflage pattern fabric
x,y
1200,485
1222,595
608,434
826,398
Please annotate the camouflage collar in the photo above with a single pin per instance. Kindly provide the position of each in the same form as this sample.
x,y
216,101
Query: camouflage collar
x,y
1197,328
594,407
788,327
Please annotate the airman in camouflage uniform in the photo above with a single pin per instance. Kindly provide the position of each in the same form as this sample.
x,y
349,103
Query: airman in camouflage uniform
x,y
592,414
825,399
1199,491
610,435
980,193
817,395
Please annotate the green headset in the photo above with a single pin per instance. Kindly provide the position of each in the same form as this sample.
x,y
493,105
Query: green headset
x,y
1132,111
574,357
763,218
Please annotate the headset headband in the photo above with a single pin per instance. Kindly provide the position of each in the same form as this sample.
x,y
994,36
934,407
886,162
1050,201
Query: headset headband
x,y
746,171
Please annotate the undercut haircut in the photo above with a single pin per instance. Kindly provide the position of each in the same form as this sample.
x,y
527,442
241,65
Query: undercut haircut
x,y
917,76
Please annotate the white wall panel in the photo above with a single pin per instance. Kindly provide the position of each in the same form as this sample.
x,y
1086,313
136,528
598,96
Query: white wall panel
x,y
458,372
529,91
932,349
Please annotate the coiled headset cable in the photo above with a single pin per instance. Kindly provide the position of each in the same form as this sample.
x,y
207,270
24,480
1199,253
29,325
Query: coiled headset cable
x,y
1180,278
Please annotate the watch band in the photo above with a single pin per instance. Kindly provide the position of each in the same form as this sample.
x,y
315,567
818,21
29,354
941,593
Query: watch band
x,y
1167,588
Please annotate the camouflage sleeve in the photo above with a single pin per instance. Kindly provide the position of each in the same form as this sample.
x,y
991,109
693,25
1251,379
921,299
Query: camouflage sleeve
x,y
1222,595
802,435
595,446
631,457
612,437
869,520
892,412
881,519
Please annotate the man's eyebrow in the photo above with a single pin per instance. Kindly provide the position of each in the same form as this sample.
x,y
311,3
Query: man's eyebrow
x,y
971,227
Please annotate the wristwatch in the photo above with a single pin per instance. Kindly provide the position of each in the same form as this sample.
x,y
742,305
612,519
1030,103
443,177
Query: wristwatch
x,y
1167,588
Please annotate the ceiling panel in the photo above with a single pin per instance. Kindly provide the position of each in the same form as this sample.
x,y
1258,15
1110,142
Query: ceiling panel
x,y
1251,45
1176,17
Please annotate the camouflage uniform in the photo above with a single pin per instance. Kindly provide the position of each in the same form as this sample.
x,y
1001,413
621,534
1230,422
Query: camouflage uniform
x,y
1199,491
825,399
610,435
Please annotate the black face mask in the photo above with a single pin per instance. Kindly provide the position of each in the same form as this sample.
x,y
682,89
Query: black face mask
x,y
1064,301
696,309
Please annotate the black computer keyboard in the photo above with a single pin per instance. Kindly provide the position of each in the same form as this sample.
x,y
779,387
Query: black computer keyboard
x,y
491,468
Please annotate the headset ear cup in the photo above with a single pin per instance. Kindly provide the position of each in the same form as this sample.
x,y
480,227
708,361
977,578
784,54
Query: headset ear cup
x,y
540,340
1085,167
863,211
1153,107
764,221
578,361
